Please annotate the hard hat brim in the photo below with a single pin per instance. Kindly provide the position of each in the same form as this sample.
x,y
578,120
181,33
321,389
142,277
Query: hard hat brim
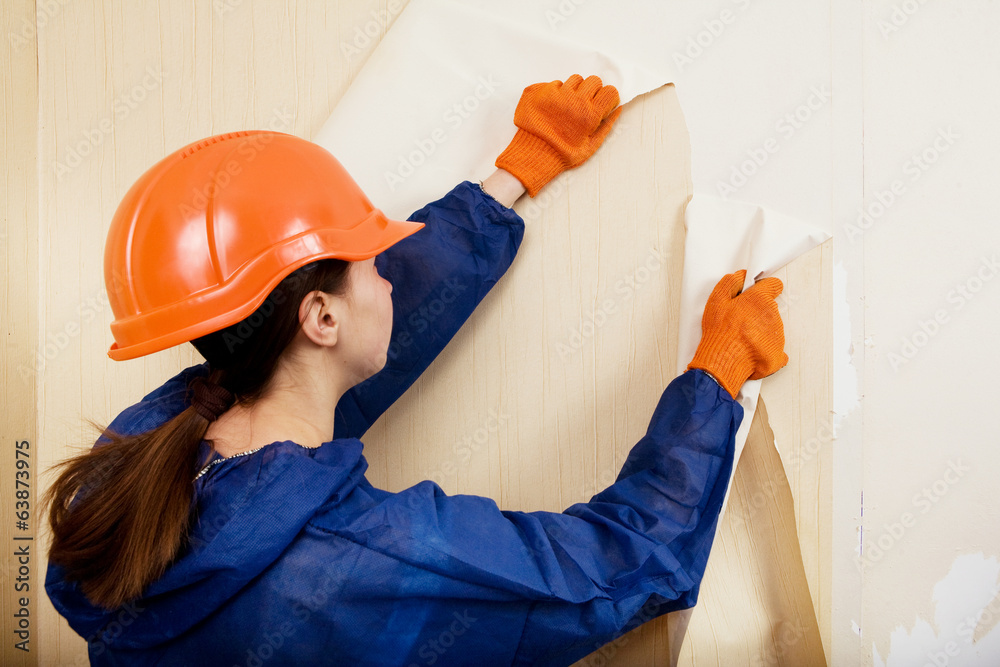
x,y
230,302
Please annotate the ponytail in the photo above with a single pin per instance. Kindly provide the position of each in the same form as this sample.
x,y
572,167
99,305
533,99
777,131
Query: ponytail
x,y
132,511
121,513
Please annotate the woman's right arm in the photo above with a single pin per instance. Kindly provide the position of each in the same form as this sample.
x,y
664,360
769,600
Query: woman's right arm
x,y
556,586
549,587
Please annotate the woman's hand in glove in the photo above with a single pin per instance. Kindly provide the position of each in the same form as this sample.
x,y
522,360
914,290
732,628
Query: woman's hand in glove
x,y
560,125
742,336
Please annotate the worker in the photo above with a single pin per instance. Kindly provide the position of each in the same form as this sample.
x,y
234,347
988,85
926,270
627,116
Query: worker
x,y
225,519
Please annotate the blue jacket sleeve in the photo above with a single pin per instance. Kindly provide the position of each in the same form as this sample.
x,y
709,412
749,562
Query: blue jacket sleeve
x,y
557,586
439,275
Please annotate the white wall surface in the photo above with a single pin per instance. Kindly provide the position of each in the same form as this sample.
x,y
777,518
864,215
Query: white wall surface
x,y
910,136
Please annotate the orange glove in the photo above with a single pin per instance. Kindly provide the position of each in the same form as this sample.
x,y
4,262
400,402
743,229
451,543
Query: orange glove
x,y
742,337
560,125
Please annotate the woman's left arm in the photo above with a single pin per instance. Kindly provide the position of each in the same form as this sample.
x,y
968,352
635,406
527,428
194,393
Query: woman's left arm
x,y
439,275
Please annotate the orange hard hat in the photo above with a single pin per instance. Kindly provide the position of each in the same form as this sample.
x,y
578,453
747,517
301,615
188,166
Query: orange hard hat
x,y
203,236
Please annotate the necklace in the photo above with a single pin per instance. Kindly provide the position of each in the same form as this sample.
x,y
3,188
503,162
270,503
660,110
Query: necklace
x,y
217,461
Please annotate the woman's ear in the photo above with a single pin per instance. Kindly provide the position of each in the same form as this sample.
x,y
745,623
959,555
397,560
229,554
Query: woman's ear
x,y
320,315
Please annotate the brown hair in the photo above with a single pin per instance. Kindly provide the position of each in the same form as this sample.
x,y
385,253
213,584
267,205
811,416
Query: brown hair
x,y
120,513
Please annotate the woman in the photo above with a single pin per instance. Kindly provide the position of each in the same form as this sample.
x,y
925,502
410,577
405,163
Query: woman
x,y
216,521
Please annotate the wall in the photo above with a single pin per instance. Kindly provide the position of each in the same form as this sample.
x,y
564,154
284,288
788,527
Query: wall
x,y
930,305
19,480
128,82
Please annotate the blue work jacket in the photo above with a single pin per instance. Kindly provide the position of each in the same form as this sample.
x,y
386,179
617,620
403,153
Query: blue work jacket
x,y
296,559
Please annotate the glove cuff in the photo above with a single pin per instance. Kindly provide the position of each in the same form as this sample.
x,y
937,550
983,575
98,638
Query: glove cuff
x,y
725,360
531,160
